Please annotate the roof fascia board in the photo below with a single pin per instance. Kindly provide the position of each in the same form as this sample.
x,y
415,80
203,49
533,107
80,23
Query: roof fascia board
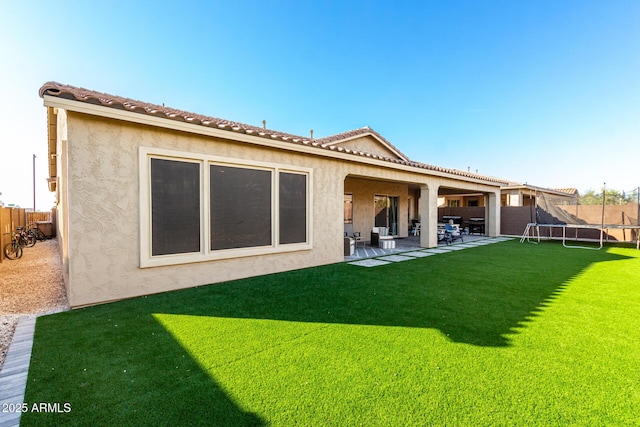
x,y
305,148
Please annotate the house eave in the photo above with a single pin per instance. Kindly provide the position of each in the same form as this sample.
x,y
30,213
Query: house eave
x,y
303,146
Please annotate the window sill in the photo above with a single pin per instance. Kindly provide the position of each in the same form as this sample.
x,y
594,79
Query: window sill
x,y
176,259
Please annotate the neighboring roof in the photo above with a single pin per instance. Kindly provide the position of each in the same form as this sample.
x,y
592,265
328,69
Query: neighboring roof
x,y
559,191
571,191
331,143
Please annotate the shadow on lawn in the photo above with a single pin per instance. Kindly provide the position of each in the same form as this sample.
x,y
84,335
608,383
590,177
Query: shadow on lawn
x,y
477,296
115,363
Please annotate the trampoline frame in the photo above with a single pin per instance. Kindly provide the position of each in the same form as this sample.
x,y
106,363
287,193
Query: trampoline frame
x,y
603,229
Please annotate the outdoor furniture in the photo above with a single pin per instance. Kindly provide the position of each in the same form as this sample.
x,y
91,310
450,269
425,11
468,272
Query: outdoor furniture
x,y
357,238
449,232
416,229
387,244
455,218
476,225
349,246
380,237
452,232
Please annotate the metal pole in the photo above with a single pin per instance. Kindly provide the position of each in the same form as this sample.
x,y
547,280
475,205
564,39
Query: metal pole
x,y
577,214
604,195
34,182
530,207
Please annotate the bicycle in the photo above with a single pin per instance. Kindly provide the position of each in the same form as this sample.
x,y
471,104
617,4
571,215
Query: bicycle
x,y
13,249
27,239
35,231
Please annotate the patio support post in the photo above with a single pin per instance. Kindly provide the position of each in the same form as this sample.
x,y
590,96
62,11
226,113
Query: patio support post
x,y
429,216
492,214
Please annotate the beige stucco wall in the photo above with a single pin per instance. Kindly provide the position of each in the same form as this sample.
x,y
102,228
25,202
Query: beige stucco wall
x,y
100,202
103,209
363,191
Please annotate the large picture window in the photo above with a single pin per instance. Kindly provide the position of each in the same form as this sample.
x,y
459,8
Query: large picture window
x,y
240,206
199,208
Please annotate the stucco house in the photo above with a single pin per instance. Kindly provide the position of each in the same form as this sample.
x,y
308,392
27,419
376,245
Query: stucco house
x,y
516,194
152,199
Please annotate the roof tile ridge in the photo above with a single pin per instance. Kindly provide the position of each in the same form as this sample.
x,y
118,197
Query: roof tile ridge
x,y
129,104
114,101
342,135
457,172
360,131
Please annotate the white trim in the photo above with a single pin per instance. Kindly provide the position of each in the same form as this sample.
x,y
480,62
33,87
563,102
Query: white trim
x,y
309,175
305,146
145,154
144,170
236,163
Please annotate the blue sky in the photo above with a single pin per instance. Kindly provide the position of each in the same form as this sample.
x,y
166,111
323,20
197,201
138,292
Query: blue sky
x,y
544,92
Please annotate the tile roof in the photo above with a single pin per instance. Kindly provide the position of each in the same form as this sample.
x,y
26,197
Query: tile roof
x,y
326,143
562,191
357,132
572,191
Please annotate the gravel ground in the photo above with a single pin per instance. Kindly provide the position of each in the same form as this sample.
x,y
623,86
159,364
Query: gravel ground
x,y
32,284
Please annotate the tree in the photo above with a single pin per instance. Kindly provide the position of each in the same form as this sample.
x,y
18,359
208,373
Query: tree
x,y
612,197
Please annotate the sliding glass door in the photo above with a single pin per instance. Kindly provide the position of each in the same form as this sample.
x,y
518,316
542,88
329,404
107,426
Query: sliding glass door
x,y
386,213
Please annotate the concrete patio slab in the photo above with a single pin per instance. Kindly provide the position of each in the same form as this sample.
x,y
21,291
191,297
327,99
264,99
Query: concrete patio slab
x,y
438,250
457,247
418,254
369,262
396,258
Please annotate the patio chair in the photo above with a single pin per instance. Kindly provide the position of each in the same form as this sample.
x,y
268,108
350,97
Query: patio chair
x,y
416,229
451,233
357,238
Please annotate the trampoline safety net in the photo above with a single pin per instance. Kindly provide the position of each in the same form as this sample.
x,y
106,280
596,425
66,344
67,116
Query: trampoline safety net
x,y
614,216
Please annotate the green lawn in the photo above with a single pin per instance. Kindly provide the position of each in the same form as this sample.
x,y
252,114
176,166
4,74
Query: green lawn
x,y
507,334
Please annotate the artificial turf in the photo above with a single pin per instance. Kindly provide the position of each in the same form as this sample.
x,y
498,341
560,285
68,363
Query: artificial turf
x,y
505,334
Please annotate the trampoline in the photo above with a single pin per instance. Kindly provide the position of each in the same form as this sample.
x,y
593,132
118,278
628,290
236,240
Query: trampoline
x,y
554,216
532,231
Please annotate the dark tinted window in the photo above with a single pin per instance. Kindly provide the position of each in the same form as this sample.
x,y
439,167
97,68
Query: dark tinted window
x,y
240,207
175,207
293,208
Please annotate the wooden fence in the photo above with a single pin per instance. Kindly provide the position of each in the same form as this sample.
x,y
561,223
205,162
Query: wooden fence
x,y
12,218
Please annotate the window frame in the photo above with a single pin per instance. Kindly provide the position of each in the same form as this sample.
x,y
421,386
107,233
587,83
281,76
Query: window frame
x,y
196,196
278,206
272,196
206,253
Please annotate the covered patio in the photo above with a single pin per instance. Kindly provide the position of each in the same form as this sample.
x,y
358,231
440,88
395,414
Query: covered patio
x,y
400,208
402,244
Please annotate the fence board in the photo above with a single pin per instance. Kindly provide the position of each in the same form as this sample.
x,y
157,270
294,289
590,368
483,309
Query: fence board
x,y
11,218
38,216
5,227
